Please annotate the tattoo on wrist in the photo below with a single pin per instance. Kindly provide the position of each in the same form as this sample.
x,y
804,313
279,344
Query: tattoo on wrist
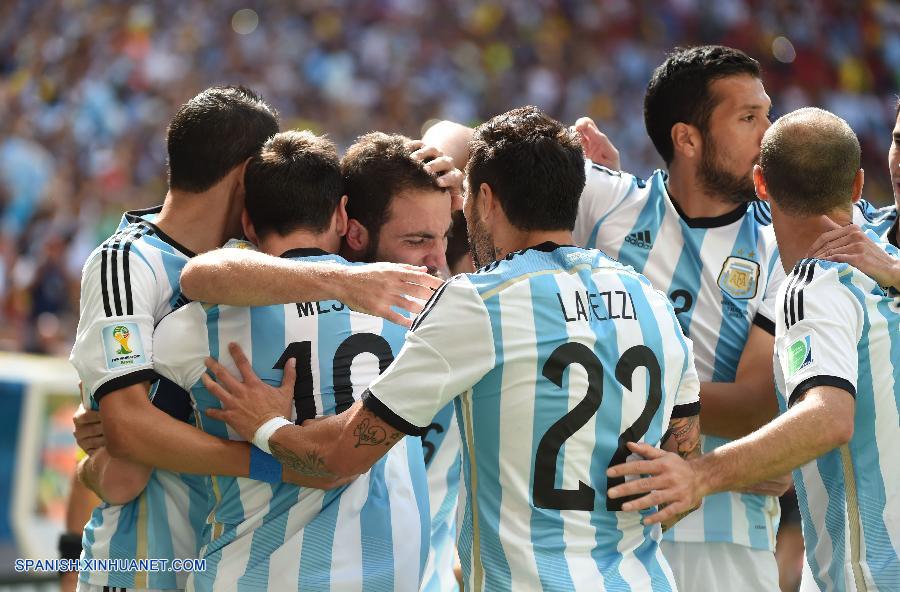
x,y
686,431
310,464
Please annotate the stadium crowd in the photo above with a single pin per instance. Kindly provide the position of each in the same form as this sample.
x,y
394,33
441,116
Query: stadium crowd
x,y
87,87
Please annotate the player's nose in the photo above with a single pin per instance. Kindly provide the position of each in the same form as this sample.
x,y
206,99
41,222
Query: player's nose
x,y
436,261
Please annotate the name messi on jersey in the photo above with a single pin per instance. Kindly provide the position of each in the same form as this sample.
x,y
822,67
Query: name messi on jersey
x,y
305,309
584,305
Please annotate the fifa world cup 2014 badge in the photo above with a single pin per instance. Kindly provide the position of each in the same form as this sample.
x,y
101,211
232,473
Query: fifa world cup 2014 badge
x,y
739,277
122,345
799,355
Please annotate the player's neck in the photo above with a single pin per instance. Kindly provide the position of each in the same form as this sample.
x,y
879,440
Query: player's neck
x,y
797,234
275,244
511,239
692,197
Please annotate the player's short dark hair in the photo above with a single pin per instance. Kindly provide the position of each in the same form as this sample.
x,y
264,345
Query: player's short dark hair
x,y
293,182
809,160
214,132
679,90
376,168
533,164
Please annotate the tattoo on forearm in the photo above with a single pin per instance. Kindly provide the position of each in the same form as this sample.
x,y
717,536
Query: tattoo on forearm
x,y
373,435
686,433
310,464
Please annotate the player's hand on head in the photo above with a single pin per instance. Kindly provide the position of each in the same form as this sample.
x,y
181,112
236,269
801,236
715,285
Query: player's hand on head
x,y
88,430
442,167
248,403
849,244
663,478
377,287
596,145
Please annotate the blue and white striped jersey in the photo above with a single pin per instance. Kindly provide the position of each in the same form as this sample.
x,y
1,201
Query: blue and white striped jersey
x,y
881,221
836,327
128,284
443,463
555,357
369,535
722,275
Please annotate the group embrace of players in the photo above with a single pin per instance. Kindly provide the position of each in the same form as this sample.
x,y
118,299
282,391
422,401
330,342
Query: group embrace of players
x,y
251,402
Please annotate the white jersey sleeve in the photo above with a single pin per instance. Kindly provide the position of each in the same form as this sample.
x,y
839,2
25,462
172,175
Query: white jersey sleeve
x,y
765,314
114,342
449,348
819,327
181,343
604,189
687,399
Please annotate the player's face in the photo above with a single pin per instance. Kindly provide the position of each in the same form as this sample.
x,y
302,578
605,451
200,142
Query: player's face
x,y
416,231
735,131
894,160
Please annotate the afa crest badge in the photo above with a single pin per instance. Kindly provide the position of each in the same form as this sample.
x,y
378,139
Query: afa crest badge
x,y
739,277
122,345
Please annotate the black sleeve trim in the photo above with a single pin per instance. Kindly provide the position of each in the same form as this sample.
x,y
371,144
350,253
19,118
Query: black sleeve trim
x,y
686,410
822,380
120,382
764,323
372,403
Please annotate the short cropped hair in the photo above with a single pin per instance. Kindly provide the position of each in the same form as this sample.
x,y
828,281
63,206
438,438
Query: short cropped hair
x,y
376,168
214,132
533,164
679,90
809,160
293,183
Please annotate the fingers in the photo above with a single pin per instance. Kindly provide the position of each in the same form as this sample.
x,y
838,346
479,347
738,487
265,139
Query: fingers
x,y
242,363
397,318
414,145
218,414
439,165
215,389
670,511
646,450
290,376
634,487
418,291
837,237
424,152
421,279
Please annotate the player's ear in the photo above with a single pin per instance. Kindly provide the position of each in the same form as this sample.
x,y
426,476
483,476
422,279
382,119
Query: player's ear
x,y
686,140
247,226
339,220
759,183
488,201
357,236
858,185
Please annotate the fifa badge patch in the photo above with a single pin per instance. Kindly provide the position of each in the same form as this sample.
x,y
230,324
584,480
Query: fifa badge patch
x,y
799,355
739,277
122,345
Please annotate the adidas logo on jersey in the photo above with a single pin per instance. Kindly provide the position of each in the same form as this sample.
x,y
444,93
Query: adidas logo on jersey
x,y
640,239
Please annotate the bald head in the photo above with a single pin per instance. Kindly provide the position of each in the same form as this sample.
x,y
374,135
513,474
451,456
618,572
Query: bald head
x,y
809,160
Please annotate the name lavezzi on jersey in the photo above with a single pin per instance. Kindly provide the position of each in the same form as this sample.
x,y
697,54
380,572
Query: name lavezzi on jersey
x,y
129,283
722,275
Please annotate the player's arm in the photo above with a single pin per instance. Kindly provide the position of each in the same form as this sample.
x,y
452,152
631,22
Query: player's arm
x,y
734,409
821,421
241,277
115,481
596,145
817,355
434,365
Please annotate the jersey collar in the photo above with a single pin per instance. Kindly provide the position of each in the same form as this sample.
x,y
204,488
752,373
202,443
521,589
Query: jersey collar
x,y
137,216
714,221
304,252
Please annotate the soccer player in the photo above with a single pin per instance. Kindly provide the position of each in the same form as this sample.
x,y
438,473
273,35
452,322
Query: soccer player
x,y
281,537
550,353
396,213
129,283
835,348
697,233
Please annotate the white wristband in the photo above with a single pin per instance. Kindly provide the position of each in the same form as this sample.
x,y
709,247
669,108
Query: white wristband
x,y
266,430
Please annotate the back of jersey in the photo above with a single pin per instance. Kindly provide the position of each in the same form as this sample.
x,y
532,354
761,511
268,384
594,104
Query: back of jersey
x,y
282,536
587,356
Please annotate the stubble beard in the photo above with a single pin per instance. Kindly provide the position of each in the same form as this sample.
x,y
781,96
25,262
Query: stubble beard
x,y
716,180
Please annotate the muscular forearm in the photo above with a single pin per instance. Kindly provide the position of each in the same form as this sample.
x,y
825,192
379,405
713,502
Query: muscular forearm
x,y
240,277
116,481
732,410
793,439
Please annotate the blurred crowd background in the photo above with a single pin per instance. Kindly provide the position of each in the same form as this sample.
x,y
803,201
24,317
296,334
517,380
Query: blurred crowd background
x,y
87,88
